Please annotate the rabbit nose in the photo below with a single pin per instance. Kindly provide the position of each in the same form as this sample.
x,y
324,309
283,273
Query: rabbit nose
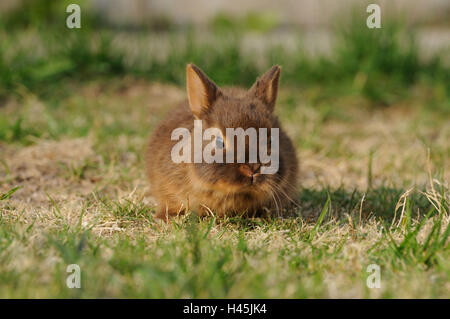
x,y
249,170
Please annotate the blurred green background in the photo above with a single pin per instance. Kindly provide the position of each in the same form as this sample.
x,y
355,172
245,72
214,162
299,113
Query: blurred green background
x,y
326,45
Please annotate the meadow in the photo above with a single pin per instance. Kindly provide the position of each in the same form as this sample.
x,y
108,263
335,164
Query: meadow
x,y
370,121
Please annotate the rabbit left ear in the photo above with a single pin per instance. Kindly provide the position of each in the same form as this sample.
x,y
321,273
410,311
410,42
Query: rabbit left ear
x,y
266,87
202,92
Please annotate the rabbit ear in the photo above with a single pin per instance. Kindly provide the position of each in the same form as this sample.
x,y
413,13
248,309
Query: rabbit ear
x,y
202,92
266,87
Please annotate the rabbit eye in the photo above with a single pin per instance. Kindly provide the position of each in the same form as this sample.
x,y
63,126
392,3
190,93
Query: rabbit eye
x,y
219,142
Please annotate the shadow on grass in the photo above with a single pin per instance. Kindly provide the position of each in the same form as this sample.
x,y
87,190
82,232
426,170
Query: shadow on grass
x,y
317,206
380,202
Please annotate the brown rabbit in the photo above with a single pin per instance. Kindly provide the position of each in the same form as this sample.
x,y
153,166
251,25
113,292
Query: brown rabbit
x,y
222,188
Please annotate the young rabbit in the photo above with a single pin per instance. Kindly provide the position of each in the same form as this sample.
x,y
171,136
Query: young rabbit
x,y
225,188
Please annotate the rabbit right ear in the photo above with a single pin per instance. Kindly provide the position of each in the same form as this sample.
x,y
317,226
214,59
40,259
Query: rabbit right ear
x,y
202,92
266,87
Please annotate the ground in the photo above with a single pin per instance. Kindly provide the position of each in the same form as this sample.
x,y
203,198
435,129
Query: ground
x,y
369,177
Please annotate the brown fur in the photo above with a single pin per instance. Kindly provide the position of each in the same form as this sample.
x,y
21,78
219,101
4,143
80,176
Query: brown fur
x,y
222,188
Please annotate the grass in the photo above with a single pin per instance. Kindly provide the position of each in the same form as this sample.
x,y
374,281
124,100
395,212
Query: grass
x,y
228,258
366,198
369,122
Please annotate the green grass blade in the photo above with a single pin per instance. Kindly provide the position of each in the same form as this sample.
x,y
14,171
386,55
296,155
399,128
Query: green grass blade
x,y
9,193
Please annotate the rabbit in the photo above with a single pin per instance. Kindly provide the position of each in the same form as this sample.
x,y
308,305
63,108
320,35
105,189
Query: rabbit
x,y
224,189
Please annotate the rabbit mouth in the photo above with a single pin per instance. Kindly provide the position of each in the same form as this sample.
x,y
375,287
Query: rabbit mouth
x,y
254,182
